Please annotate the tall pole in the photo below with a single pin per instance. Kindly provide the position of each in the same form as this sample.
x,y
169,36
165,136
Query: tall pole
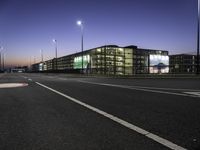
x,y
80,23
41,52
30,64
198,69
3,61
34,60
1,49
82,45
0,60
56,52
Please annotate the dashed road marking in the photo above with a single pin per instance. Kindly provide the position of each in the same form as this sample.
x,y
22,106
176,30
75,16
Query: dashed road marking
x,y
24,77
126,124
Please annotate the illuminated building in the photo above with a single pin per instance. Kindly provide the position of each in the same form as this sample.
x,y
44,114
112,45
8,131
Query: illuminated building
x,y
111,60
19,69
182,63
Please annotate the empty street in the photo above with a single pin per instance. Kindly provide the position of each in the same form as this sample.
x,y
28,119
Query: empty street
x,y
57,112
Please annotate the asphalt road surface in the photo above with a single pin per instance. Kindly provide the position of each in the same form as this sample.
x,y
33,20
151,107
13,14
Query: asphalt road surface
x,y
59,112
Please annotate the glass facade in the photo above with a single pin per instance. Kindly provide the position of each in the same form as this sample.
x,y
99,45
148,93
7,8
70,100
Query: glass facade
x,y
107,60
78,62
111,60
183,63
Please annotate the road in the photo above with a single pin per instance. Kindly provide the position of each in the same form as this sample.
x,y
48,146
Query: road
x,y
57,112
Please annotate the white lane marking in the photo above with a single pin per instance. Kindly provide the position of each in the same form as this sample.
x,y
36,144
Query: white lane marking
x,y
138,89
171,89
24,77
50,77
126,124
62,79
12,85
193,93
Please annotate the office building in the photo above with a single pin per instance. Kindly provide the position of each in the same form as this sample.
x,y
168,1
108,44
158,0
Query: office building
x,y
182,63
109,60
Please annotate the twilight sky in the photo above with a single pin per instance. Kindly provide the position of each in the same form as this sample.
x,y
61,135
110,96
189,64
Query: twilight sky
x,y
27,26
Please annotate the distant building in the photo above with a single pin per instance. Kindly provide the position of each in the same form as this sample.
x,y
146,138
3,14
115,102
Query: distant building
x,y
182,63
109,60
19,69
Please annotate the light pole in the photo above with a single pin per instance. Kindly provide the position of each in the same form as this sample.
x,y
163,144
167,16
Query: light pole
x,y
30,64
56,49
1,49
41,52
198,41
3,61
80,23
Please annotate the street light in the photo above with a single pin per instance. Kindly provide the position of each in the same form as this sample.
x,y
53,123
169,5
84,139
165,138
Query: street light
x,y
41,52
80,23
1,49
56,49
42,63
3,61
198,41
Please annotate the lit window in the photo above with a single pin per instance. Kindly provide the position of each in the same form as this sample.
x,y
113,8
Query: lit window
x,y
121,49
119,58
98,50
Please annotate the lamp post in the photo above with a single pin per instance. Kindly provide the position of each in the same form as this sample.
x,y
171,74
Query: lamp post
x,y
3,61
1,49
56,49
198,41
30,68
80,23
41,52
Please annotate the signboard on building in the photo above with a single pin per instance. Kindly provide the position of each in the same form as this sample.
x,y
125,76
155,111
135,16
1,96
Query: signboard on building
x,y
158,64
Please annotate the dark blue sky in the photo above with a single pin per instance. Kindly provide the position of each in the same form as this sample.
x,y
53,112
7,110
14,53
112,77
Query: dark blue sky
x,y
26,26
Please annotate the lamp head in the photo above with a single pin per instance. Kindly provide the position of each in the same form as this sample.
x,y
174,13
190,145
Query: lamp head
x,y
54,40
79,23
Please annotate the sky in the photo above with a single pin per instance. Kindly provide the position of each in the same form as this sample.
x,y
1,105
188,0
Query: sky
x,y
28,26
